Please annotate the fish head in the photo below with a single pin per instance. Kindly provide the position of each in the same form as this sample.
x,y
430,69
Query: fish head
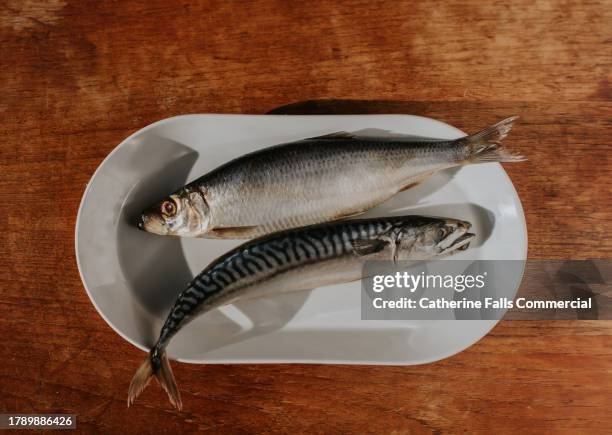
x,y
184,213
435,237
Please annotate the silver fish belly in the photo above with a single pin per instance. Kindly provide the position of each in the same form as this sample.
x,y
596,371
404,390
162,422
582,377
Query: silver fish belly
x,y
312,182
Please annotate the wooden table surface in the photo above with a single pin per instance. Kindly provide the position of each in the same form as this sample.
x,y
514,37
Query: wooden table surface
x,y
77,77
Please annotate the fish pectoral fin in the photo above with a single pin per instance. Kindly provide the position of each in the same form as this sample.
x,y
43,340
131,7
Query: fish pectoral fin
x,y
409,186
336,135
233,232
363,247
416,181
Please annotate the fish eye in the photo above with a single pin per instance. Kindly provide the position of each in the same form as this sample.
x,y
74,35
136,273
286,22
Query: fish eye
x,y
442,233
168,208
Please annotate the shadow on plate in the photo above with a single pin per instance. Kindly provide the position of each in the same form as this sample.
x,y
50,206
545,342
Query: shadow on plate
x,y
312,345
240,321
154,266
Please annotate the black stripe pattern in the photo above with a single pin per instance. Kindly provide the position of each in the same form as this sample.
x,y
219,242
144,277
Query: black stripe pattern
x,y
270,255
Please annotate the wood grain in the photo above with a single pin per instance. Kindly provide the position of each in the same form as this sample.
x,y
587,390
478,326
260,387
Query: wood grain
x,y
76,78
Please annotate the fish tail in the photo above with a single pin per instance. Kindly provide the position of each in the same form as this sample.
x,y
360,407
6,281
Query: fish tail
x,y
485,146
156,364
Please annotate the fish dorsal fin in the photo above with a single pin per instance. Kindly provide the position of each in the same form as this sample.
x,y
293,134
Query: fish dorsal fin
x,y
363,247
336,135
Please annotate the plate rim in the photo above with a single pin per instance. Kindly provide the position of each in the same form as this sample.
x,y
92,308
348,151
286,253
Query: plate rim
x,y
441,356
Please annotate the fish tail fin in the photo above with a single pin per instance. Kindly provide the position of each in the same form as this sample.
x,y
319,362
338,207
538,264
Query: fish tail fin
x,y
156,364
166,379
141,379
485,146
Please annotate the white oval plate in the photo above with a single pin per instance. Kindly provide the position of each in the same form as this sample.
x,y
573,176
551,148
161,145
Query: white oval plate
x,y
132,277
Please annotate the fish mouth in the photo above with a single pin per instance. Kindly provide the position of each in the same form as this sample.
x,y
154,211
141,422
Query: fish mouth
x,y
140,223
461,243
461,225
151,224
